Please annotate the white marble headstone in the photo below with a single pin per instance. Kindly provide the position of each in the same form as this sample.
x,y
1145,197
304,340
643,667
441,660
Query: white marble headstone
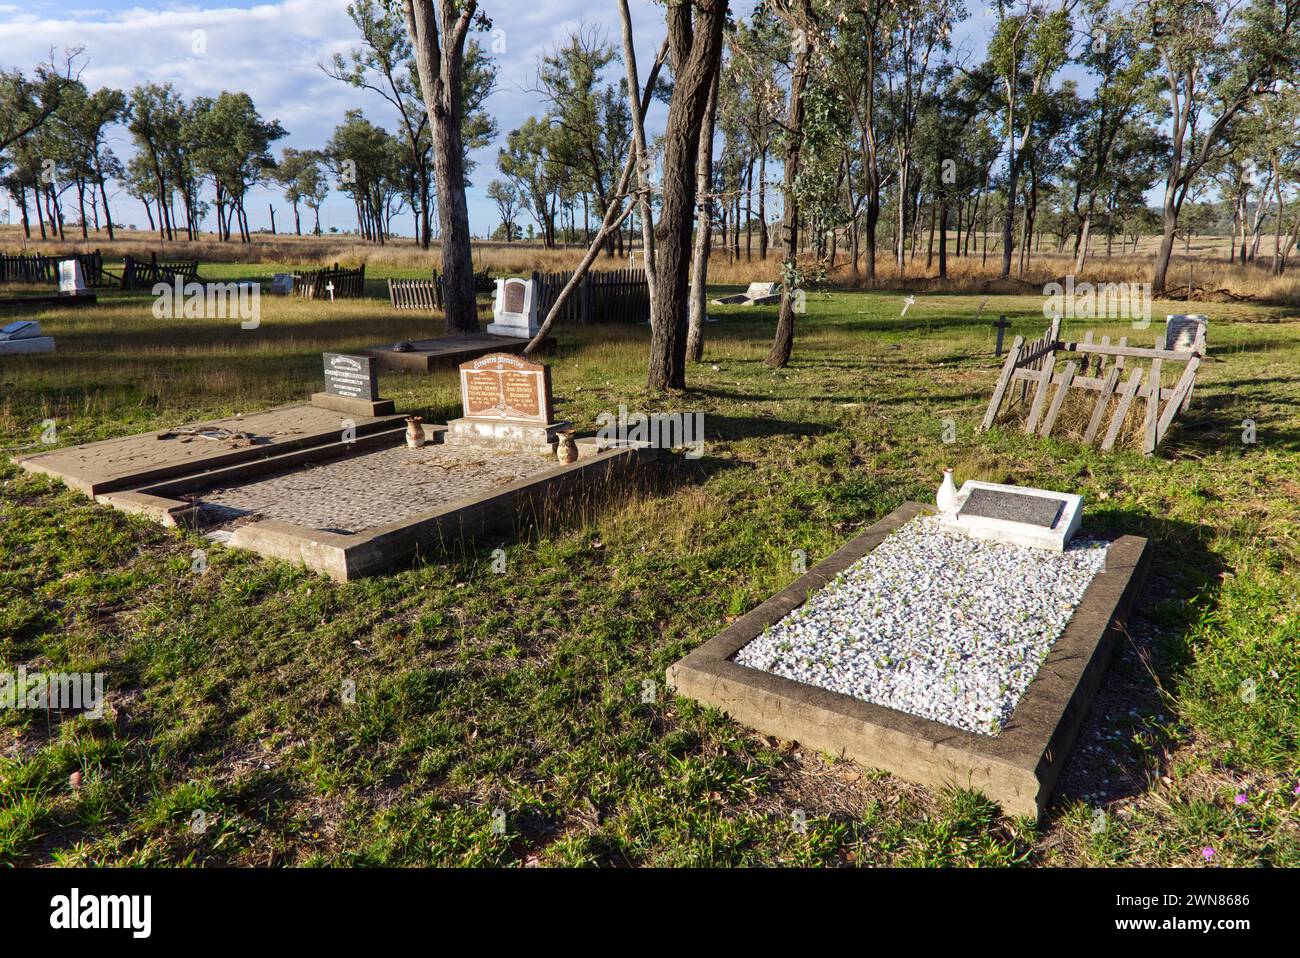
x,y
514,310
71,279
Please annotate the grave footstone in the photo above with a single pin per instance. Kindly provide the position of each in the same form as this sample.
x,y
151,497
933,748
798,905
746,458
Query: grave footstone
x,y
507,405
1016,515
515,309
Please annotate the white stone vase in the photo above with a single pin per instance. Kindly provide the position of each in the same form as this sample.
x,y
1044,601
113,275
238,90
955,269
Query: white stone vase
x,y
946,500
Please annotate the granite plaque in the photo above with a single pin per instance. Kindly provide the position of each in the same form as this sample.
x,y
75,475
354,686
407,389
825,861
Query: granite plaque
x,y
1013,507
502,386
352,377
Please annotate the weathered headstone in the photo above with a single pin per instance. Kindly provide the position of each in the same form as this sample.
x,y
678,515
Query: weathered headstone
x,y
352,377
514,310
24,336
71,280
1017,515
282,284
1186,333
507,404
351,387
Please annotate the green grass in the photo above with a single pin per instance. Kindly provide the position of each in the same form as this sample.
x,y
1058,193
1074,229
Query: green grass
x,y
527,693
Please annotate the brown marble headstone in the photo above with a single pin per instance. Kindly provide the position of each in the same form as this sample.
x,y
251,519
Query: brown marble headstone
x,y
513,296
502,386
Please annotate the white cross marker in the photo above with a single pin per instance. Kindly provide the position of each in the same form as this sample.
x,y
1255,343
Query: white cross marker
x,y
908,302
330,289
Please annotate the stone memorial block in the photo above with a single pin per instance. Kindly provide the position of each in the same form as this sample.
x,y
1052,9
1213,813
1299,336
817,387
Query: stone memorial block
x,y
1186,333
24,336
23,329
507,404
1017,515
282,284
514,310
72,281
351,377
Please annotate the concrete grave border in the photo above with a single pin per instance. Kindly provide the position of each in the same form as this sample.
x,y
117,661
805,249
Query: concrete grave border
x,y
1017,768
383,548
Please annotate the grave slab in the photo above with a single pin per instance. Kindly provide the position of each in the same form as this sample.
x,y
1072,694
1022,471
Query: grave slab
x,y
426,355
134,461
1018,767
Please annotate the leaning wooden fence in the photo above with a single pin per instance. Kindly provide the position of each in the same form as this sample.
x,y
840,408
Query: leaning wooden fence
x,y
1033,367
43,268
142,274
315,284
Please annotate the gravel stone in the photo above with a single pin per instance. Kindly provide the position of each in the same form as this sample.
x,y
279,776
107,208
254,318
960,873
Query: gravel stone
x,y
934,623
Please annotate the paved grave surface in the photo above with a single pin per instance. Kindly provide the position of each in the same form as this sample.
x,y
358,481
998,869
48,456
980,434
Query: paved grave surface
x,y
362,492
136,460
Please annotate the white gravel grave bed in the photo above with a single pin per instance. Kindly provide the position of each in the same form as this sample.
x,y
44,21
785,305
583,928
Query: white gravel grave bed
x,y
933,623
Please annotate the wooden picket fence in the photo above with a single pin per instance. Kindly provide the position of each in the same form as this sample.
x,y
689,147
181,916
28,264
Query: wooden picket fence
x,y
415,293
41,268
348,283
610,296
1098,369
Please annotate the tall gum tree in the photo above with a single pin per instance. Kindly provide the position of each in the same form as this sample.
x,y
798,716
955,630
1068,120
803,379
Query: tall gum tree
x,y
438,30
695,46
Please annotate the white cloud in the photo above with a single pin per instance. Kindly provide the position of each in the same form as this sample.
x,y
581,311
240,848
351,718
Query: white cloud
x,y
272,51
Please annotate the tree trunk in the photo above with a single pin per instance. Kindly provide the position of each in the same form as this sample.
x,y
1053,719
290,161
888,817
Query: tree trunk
x,y
696,55
783,342
439,45
703,229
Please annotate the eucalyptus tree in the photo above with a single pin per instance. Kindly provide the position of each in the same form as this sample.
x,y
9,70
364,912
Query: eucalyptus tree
x,y
27,103
1216,59
695,45
508,203
365,159
531,160
438,31
1126,93
156,115
592,120
231,143
919,35
1029,46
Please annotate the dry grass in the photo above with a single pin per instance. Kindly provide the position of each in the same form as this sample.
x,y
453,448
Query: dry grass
x,y
1204,263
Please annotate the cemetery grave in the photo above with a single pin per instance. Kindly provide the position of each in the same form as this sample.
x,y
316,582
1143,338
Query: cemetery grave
x,y
960,649
1098,370
24,337
515,320
758,294
337,485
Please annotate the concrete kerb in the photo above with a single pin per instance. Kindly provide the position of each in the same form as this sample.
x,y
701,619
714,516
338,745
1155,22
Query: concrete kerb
x,y
1017,768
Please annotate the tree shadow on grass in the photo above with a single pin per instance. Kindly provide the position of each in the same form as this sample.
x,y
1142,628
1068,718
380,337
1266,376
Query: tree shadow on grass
x,y
1125,742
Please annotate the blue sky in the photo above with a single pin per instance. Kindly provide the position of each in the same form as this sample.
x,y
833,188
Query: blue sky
x,y
272,50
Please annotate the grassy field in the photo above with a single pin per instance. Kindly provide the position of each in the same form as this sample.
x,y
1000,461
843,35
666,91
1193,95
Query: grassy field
x,y
526,693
